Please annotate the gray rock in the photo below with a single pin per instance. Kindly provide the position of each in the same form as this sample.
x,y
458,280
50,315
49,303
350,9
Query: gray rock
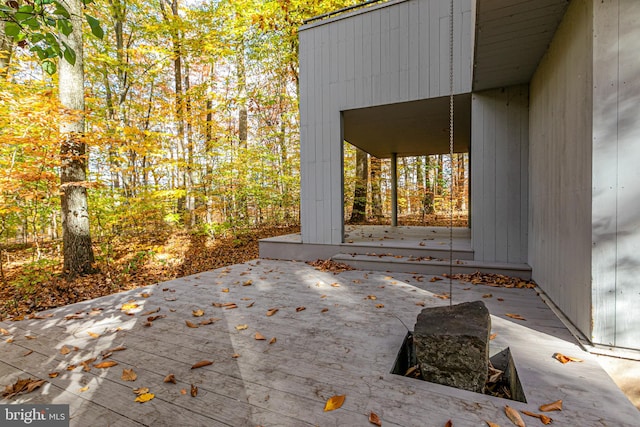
x,y
452,345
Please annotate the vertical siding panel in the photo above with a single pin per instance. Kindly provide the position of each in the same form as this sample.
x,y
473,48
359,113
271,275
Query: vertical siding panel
x,y
376,53
404,52
385,66
500,171
477,177
350,63
415,43
394,55
524,176
367,63
358,62
434,49
513,175
489,190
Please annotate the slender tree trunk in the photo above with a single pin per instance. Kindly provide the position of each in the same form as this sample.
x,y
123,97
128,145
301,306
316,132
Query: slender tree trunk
x,y
359,210
78,253
242,124
376,196
6,51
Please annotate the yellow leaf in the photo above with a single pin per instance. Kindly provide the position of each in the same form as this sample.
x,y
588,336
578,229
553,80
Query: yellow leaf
x,y
131,305
372,297
190,324
85,388
553,406
242,327
145,397
3,331
493,336
272,311
197,313
104,365
514,416
53,374
145,295
65,350
334,402
202,363
565,359
128,375
93,334
225,289
543,418
375,419
258,336
515,316
247,283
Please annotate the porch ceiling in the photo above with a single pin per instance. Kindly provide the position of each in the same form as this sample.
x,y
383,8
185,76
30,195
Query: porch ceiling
x,y
511,38
409,128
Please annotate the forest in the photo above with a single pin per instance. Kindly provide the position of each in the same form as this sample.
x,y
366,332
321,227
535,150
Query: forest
x,y
183,144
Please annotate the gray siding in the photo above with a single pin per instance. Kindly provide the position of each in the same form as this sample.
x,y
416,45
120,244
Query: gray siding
x,y
499,171
616,173
560,153
388,53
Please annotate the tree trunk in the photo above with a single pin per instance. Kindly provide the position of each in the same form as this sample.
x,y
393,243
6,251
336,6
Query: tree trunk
x,y
376,197
6,50
359,210
78,253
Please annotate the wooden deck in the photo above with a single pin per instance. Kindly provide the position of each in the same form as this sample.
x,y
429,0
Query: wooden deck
x,y
341,343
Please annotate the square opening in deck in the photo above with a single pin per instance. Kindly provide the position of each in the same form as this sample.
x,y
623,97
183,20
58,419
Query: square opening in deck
x,y
503,377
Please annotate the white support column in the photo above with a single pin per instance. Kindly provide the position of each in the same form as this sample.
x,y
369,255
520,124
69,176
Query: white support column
x,y
394,189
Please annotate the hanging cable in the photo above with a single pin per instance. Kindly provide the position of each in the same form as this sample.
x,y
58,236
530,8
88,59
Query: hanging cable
x,y
451,154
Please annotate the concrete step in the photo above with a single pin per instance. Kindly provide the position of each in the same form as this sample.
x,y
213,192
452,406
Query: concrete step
x,y
434,266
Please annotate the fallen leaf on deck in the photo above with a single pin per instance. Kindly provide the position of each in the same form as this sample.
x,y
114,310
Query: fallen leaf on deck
x,y
301,308
71,367
553,406
420,303
3,331
449,424
9,340
514,416
324,310
272,311
258,336
565,359
30,337
65,350
53,374
371,297
435,279
230,306
83,389
73,316
26,385
272,340
225,289
202,363
209,321
251,304
235,355
141,390
131,305
86,364
543,418
335,285
147,313
247,283
242,327
490,424
487,295
197,313
379,305
500,299
153,318
128,375
93,334
375,419
190,324
108,353
515,316
194,391
170,379
145,295
493,336
183,391
145,397
28,352
104,365
334,402
442,296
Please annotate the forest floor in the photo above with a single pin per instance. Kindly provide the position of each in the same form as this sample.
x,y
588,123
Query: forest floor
x,y
31,280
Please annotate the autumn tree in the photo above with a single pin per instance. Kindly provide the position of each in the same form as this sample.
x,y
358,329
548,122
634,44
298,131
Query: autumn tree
x,y
76,236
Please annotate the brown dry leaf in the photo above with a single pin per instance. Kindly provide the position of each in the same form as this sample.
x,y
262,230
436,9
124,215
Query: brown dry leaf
x,y
375,419
442,296
183,391
128,375
235,355
194,391
514,416
26,385
71,367
65,350
108,353
225,289
53,374
202,363
553,406
420,303
73,316
334,402
515,316
335,285
272,340
543,418
242,327
145,397
449,424
565,359
30,337
435,279
28,352
9,340
147,313
197,313
209,321
230,306
93,334
323,296
141,390
153,318
251,304
371,297
493,336
104,365
3,331
490,424
487,295
258,336
170,379
301,308
324,310
379,305
83,389
272,311
248,283
191,324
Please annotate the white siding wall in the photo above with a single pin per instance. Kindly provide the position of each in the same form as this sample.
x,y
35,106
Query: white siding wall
x,y
388,53
499,174
616,173
560,153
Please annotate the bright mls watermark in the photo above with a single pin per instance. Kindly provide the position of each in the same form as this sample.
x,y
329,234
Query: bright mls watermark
x,y
34,415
